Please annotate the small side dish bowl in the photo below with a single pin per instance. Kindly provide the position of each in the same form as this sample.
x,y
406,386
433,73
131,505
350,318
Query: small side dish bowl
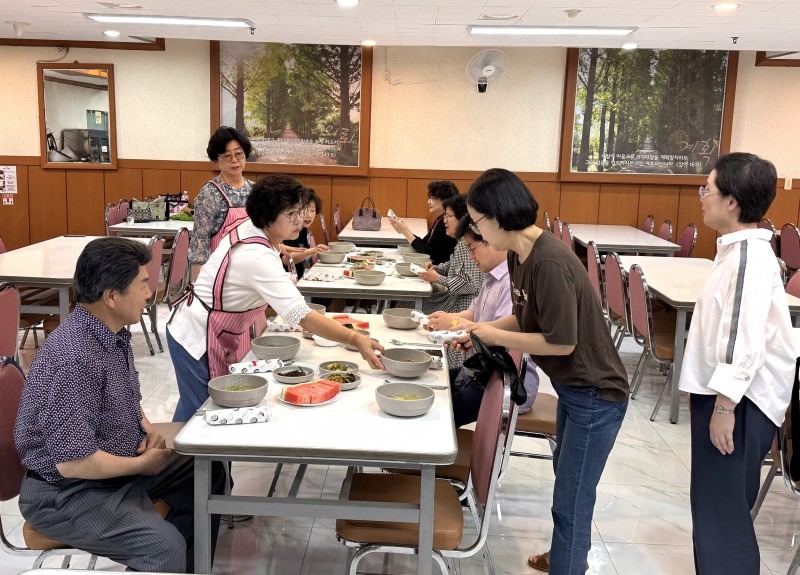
x,y
282,374
275,347
404,399
237,389
336,365
346,379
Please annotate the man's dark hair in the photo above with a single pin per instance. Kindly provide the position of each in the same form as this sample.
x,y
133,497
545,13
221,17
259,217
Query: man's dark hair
x,y
311,197
458,204
108,263
501,195
442,189
222,137
463,230
750,180
270,196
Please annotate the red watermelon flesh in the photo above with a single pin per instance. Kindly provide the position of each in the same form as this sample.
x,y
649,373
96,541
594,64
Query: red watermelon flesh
x,y
311,393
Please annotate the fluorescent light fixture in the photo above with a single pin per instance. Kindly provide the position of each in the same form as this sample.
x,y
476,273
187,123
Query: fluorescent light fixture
x,y
368,42
171,20
630,46
725,6
549,31
111,33
347,3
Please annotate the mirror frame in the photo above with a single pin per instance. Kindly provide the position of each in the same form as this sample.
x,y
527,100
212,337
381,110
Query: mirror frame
x,y
112,118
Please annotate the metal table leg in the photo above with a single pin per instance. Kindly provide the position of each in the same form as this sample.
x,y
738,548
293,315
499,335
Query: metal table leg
x,y
426,502
677,362
202,520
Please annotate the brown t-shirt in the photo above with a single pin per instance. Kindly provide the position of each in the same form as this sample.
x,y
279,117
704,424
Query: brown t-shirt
x,y
552,295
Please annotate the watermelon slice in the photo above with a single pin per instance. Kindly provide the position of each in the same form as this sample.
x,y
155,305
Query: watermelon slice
x,y
311,393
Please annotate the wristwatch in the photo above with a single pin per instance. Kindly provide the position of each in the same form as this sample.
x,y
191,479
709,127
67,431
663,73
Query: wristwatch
x,y
721,410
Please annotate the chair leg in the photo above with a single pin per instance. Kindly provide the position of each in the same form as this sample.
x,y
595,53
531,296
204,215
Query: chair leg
x,y
638,375
24,337
795,563
146,336
153,313
437,557
661,395
92,562
762,493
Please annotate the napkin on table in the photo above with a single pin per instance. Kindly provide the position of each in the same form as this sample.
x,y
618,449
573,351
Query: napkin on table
x,y
238,415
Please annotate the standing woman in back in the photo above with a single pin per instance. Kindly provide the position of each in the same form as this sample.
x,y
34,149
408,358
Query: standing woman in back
x,y
219,206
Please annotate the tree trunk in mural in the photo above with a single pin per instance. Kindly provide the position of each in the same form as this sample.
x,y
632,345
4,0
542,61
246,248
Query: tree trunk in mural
x,y
583,155
240,95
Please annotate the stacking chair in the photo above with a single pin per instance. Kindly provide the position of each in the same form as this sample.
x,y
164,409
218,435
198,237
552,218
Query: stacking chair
x,y
547,224
176,278
616,298
557,228
767,224
495,423
665,230
793,285
312,243
338,225
2,246
687,241
660,345
123,206
9,320
784,272
325,237
112,217
156,246
648,225
566,236
790,247
538,423
595,269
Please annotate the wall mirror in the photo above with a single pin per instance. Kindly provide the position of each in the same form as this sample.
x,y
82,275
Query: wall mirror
x,y
77,124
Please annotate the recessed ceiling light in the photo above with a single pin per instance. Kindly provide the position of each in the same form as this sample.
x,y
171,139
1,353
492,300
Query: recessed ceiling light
x,y
725,6
630,46
368,42
111,33
347,3
549,31
171,20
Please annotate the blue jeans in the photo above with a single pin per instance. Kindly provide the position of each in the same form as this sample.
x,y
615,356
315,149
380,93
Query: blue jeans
x,y
192,375
586,428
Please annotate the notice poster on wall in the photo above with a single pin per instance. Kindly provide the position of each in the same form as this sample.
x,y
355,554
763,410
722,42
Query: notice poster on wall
x,y
8,179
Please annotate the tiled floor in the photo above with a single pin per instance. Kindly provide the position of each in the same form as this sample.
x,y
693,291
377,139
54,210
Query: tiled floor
x,y
642,524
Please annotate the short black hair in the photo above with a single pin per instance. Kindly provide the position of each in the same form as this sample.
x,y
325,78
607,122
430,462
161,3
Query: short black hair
x,y
270,196
458,204
501,195
312,197
750,180
220,139
108,263
464,229
442,189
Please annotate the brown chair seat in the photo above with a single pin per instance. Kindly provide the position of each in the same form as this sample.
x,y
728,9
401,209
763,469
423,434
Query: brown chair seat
x,y
665,345
542,416
40,542
458,471
448,519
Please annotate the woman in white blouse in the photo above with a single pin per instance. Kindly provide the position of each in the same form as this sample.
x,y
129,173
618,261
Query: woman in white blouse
x,y
244,275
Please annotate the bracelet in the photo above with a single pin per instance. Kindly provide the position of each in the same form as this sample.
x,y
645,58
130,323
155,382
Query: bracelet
x,y
721,410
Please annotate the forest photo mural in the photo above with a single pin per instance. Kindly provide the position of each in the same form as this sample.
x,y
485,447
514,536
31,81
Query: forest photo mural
x,y
298,103
648,111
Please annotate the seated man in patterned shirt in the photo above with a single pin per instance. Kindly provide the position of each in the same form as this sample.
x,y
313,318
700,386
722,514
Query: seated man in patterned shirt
x,y
95,463
493,302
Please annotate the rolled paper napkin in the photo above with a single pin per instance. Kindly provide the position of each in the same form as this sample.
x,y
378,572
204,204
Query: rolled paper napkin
x,y
444,336
281,326
256,366
419,317
238,416
320,276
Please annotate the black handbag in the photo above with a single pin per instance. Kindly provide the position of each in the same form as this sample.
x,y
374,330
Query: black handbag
x,y
480,366
140,215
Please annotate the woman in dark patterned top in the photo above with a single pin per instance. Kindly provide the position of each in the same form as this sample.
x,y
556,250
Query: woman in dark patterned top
x,y
301,250
436,243
229,149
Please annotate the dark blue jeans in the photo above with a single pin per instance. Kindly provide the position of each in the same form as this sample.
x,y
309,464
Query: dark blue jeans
x,y
192,376
586,428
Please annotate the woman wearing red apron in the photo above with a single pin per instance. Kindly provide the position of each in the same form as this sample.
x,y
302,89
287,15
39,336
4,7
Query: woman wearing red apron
x,y
240,279
219,206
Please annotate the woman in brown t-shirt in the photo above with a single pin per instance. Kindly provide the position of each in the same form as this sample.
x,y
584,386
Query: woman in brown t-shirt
x,y
557,319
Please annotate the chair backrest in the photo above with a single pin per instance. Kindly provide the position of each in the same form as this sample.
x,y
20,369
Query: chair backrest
x,y
793,285
665,230
311,243
790,246
649,224
641,308
11,383
156,246
325,237
110,216
337,218
766,224
594,269
547,224
9,319
123,206
616,291
557,227
566,236
178,262
2,246
687,240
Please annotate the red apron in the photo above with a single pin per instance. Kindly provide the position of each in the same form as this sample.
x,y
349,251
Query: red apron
x,y
227,332
234,217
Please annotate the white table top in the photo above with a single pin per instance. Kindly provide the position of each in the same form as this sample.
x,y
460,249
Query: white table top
x,y
393,287
165,228
386,235
609,238
51,261
351,428
679,281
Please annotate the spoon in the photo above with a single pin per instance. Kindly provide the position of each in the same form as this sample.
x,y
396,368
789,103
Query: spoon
x,y
413,343
435,387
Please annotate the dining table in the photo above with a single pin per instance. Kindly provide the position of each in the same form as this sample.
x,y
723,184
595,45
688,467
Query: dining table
x,y
678,282
385,236
166,229
328,280
350,432
621,239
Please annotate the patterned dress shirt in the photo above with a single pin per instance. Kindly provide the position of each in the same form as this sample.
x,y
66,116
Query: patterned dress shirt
x,y
210,209
81,396
460,282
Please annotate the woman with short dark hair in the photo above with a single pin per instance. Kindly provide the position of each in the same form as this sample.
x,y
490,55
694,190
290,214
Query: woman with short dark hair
x,y
210,324
300,250
219,206
437,243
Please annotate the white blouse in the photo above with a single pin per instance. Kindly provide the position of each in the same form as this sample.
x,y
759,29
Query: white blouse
x,y
255,276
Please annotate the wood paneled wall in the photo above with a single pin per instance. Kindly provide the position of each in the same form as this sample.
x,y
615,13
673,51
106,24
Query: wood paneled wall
x,y
56,202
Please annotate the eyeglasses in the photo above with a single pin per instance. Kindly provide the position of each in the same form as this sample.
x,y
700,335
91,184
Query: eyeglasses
x,y
447,216
296,215
704,191
474,225
229,157
473,248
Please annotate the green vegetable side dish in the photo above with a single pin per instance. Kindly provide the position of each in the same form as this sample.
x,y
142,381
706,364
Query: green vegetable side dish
x,y
341,378
333,366
405,396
